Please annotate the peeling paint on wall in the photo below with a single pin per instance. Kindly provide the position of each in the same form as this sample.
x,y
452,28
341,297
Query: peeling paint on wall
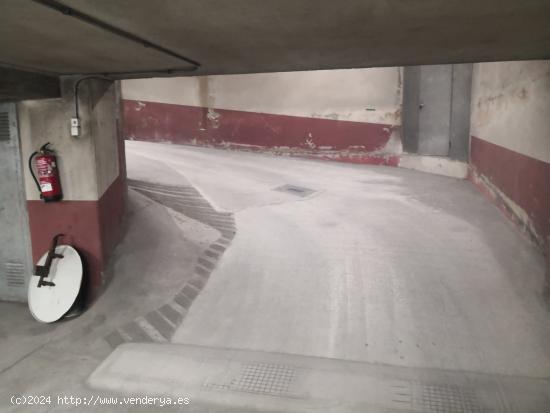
x,y
355,110
328,94
184,125
510,143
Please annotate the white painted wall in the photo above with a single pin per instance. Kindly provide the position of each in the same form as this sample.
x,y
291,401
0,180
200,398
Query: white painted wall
x,y
511,106
332,94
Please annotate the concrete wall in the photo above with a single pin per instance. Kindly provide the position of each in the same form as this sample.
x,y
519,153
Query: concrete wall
x,y
355,116
92,172
338,113
510,142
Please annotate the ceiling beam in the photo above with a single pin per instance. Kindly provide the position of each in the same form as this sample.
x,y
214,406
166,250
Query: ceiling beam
x,y
16,84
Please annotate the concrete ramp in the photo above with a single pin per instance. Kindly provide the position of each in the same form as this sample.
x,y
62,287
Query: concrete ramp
x,y
259,381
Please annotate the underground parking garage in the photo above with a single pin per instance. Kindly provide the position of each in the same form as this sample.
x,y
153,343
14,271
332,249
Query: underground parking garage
x,y
276,208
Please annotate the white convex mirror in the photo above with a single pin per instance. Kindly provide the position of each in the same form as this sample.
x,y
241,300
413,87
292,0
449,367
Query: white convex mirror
x,y
51,297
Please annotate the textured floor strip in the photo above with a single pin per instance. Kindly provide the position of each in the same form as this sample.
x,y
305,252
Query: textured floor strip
x,y
159,325
245,380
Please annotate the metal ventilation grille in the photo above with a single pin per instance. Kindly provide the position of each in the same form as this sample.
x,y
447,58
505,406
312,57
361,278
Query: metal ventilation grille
x,y
4,126
15,274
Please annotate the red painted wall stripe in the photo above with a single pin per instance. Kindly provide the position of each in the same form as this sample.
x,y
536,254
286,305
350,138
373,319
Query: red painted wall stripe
x,y
92,227
80,221
153,121
523,179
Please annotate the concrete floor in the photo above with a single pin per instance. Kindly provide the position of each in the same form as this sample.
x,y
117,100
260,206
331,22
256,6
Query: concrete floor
x,y
155,258
379,264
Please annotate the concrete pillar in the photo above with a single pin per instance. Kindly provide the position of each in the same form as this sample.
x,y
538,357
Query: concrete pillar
x,y
92,173
546,286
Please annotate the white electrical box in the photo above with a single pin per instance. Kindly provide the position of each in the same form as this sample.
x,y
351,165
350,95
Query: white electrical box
x,y
75,126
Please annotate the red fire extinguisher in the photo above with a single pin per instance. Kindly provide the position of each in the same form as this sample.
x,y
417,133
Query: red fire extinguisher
x,y
48,182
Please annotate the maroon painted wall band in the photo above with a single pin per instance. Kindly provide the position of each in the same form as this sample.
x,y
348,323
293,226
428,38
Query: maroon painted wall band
x,y
158,122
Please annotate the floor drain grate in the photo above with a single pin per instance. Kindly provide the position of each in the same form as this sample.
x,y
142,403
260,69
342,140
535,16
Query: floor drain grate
x,y
295,190
449,399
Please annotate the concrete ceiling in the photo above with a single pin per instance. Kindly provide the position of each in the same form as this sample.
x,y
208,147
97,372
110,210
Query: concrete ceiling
x,y
244,36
